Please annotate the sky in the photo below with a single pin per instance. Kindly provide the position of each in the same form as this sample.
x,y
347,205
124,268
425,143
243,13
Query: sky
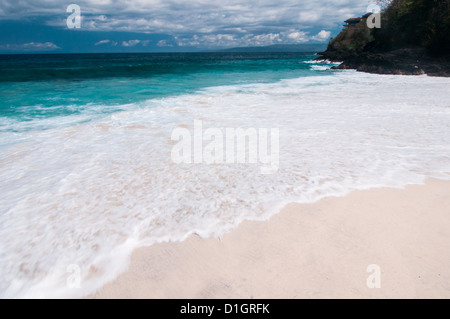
x,y
48,26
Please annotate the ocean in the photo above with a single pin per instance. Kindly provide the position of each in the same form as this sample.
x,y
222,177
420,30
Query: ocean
x,y
86,167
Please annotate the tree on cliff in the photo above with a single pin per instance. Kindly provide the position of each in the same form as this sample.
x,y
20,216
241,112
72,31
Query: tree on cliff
x,y
415,23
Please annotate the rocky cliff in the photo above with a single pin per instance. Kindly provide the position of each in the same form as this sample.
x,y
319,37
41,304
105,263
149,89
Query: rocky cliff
x,y
414,38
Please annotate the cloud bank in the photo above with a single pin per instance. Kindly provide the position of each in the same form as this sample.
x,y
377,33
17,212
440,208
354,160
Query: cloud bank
x,y
200,22
32,47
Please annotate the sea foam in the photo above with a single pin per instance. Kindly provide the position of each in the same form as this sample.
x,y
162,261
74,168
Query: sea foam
x,y
87,194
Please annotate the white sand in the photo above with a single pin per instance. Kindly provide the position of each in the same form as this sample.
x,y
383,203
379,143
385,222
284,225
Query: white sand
x,y
320,250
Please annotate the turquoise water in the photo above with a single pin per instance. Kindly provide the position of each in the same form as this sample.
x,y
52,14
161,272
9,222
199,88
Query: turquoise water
x,y
34,87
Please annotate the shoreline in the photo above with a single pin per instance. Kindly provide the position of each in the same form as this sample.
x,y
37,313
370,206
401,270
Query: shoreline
x,y
318,250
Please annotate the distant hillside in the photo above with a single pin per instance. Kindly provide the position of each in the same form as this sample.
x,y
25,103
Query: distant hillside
x,y
281,48
414,38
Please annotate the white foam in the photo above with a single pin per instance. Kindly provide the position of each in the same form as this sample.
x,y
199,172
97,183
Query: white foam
x,y
90,193
320,67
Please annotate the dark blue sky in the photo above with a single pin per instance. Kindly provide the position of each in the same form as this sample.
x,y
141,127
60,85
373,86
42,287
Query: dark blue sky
x,y
169,25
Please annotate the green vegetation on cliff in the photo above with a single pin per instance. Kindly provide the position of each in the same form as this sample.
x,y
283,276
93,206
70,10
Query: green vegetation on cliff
x,y
405,24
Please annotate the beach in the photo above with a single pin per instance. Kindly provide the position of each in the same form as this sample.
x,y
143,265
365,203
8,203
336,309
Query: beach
x,y
177,167
318,250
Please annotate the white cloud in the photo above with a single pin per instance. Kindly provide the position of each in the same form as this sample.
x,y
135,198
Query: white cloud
x,y
298,36
31,46
103,42
164,43
130,43
322,36
41,46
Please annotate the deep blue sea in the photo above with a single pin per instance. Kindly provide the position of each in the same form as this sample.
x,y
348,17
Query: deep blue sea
x,y
87,172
